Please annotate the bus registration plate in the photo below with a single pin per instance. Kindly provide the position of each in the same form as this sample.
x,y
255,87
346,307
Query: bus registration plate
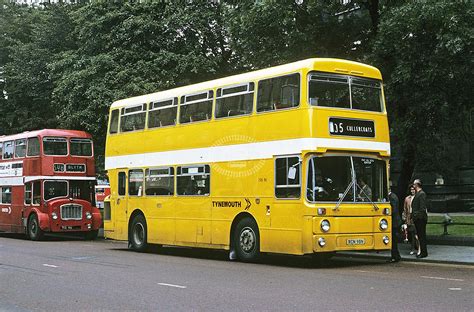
x,y
358,241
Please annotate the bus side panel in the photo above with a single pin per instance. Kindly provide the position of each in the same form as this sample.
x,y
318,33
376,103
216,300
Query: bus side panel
x,y
239,187
160,214
286,227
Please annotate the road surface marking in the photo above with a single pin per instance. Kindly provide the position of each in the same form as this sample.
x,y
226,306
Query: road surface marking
x,y
443,278
50,265
454,288
171,285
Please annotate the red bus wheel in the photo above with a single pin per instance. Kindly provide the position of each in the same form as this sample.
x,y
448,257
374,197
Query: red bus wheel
x,y
34,231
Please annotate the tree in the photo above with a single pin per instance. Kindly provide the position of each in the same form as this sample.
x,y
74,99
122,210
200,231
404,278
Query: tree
x,y
127,49
265,33
425,52
29,41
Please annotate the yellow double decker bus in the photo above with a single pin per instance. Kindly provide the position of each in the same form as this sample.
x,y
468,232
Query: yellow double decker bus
x,y
291,159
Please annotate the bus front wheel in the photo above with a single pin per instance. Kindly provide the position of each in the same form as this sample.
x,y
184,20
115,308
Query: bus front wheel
x,y
34,231
246,240
138,234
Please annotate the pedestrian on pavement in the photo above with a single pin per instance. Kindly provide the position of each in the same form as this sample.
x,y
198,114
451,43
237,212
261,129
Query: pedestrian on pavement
x,y
396,223
408,219
420,217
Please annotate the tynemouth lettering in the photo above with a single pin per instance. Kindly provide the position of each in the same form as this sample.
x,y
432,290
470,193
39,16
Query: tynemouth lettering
x,y
11,169
351,127
224,204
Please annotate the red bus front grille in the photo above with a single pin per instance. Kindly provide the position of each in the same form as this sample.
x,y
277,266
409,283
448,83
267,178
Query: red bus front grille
x,y
71,212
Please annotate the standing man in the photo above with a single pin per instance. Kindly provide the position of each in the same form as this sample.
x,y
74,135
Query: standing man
x,y
420,217
396,223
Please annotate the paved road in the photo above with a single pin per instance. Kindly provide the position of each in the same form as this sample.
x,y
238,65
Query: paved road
x,y
71,275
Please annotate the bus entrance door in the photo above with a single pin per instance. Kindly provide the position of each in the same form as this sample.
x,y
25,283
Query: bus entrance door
x,y
121,202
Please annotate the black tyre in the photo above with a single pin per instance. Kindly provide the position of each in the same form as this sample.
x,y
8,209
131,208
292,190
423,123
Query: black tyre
x,y
246,240
137,237
91,235
34,231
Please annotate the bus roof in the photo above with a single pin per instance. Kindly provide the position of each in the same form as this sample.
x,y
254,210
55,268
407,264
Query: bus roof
x,y
46,132
323,64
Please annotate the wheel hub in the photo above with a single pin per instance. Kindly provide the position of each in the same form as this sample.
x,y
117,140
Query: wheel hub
x,y
247,239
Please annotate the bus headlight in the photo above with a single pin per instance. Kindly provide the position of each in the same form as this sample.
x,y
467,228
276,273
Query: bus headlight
x,y
322,242
383,224
54,215
386,240
325,226
88,215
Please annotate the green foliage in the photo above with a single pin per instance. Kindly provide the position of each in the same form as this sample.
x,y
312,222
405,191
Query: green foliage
x,y
425,52
65,64
129,49
29,40
265,33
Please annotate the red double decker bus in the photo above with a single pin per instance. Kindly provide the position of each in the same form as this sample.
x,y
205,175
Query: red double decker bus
x,y
47,180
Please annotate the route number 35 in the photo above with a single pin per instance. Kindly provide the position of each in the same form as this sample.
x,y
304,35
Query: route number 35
x,y
336,127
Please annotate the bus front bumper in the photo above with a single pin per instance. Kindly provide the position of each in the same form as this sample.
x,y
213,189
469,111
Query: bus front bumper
x,y
344,242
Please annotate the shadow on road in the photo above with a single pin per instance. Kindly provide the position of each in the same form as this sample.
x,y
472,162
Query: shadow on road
x,y
304,262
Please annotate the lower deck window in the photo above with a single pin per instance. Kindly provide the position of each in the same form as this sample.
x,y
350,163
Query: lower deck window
x,y
135,182
159,181
5,195
194,180
287,177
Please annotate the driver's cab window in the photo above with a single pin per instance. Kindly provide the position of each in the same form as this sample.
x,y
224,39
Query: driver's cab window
x,y
329,179
287,177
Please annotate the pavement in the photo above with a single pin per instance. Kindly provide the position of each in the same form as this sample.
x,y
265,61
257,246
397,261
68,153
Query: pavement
x,y
436,254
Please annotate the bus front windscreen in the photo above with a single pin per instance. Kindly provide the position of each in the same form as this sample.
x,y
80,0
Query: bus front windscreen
x,y
346,179
81,147
340,91
55,189
82,189
54,146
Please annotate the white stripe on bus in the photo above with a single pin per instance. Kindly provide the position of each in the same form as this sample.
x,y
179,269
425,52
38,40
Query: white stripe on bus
x,y
239,152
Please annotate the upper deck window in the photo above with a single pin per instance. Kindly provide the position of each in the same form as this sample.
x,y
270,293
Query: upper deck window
x,y
234,100
81,147
133,118
162,113
33,148
8,148
20,148
114,121
278,93
196,107
332,90
1,149
54,146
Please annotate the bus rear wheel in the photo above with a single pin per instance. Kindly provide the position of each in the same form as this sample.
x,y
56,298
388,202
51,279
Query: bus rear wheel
x,y
137,239
35,233
246,240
